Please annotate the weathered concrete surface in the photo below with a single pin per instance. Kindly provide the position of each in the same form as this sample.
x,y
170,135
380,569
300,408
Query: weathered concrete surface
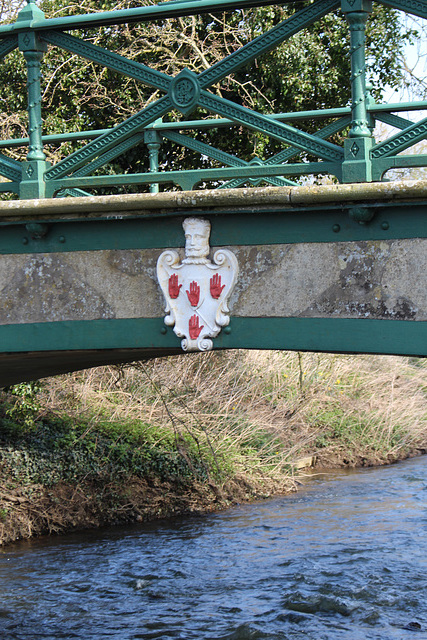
x,y
147,204
344,279
378,279
85,285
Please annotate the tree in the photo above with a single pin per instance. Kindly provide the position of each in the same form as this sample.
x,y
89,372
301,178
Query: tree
x,y
310,71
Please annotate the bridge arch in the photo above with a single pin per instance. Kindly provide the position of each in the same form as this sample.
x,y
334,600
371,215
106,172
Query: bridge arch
x,y
339,267
80,288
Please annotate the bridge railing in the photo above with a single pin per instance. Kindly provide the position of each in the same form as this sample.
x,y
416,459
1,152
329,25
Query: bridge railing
x,y
359,159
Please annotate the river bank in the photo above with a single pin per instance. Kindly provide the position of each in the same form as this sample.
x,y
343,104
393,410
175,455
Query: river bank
x,y
36,510
341,559
196,434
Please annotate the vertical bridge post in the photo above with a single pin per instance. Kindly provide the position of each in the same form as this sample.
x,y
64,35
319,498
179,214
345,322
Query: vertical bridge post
x,y
357,148
33,170
153,141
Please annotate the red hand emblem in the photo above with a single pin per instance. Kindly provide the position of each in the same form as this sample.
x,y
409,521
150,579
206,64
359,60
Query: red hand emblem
x,y
174,287
193,327
216,288
194,294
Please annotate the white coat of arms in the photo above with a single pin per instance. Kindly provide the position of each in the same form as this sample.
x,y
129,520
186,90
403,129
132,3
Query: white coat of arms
x,y
197,290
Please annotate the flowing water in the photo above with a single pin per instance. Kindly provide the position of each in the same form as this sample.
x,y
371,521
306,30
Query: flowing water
x,y
344,558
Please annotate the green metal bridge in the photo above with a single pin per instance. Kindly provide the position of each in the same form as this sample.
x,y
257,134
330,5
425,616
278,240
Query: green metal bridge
x,y
339,267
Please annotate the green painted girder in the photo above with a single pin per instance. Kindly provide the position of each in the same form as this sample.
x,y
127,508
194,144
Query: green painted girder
x,y
138,14
264,124
112,137
334,335
382,165
10,168
251,224
395,121
113,153
217,154
231,63
178,177
416,7
304,223
8,45
288,154
401,141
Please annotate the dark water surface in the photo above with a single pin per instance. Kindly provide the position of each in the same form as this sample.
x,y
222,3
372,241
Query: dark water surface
x,y
345,558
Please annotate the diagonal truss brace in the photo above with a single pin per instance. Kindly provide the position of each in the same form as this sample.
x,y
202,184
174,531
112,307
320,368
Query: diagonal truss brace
x,y
288,154
7,45
416,7
267,41
111,138
401,141
394,121
278,130
217,154
106,58
10,169
113,153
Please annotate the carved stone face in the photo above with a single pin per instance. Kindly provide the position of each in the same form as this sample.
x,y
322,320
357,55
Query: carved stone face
x,y
197,233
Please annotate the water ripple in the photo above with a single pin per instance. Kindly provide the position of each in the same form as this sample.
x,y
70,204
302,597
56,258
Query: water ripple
x,y
344,559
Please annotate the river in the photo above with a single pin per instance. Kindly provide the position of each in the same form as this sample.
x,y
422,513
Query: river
x,y
344,558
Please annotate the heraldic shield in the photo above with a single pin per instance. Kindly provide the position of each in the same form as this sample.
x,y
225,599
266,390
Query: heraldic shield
x,y
197,290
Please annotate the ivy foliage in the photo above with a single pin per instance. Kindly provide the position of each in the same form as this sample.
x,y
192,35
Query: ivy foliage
x,y
48,449
24,405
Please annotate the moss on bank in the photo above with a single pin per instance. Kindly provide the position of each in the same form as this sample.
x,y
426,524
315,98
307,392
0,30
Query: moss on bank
x,y
196,433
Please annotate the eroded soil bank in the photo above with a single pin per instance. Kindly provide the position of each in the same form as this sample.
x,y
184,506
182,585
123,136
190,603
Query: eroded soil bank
x,y
36,510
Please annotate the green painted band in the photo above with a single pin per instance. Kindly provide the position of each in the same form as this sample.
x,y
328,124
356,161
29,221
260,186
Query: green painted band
x,y
339,335
256,226
395,337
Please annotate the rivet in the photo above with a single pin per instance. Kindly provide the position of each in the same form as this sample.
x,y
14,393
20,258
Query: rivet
x,y
385,225
62,239
163,330
24,240
227,330
336,228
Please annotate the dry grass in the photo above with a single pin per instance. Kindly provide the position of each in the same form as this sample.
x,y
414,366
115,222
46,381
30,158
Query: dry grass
x,y
239,421
260,411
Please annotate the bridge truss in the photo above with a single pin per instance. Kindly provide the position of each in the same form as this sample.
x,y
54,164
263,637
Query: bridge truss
x,y
359,159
